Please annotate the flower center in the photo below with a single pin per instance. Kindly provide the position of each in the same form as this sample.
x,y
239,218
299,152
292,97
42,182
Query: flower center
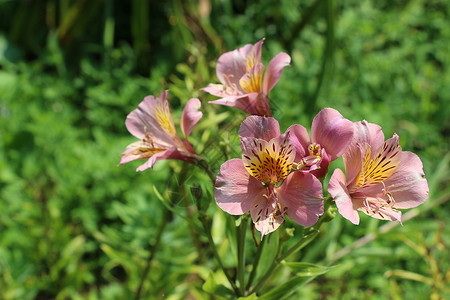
x,y
148,148
314,149
269,162
313,159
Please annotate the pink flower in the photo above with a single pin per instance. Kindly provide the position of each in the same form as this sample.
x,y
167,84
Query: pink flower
x,y
262,183
241,74
381,178
331,134
152,123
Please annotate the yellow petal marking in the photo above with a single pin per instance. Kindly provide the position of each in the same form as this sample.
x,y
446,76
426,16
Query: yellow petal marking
x,y
251,81
380,167
162,114
270,162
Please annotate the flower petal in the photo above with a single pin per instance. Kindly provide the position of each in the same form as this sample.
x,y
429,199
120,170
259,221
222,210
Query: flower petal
x,y
274,71
251,81
235,189
191,115
383,213
332,132
248,102
253,57
152,118
353,162
301,193
300,140
139,150
369,133
231,66
407,185
266,214
380,165
269,162
338,190
260,127
171,153
218,90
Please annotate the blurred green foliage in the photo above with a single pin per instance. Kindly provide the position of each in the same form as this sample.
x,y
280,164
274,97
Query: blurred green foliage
x,y
74,225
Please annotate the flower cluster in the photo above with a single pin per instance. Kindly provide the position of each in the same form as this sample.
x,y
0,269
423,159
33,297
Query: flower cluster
x,y
281,175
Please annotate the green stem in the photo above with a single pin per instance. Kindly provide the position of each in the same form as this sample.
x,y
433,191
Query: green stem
x,y
241,230
256,263
203,164
206,222
153,249
311,234
270,270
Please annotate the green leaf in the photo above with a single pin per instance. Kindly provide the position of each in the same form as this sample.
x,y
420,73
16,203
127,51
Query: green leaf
x,y
305,272
249,297
269,253
211,286
303,269
282,291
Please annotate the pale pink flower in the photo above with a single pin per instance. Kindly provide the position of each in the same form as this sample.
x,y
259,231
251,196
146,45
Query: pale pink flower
x,y
331,134
241,75
152,123
381,178
262,182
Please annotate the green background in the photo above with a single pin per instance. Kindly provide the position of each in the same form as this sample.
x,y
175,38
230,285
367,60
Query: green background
x,y
75,225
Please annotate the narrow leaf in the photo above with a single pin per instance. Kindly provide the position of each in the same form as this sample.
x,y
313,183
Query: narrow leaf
x,y
303,269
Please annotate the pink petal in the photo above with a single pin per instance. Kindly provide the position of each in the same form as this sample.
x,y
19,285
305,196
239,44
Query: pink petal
x,y
259,127
246,102
353,162
407,185
218,90
266,215
171,153
369,133
133,152
251,81
143,120
300,139
332,132
338,190
274,71
235,189
383,213
255,54
191,115
301,193
231,66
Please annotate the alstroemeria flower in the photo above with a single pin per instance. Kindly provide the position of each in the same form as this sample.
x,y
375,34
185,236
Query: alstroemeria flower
x,y
262,182
241,74
152,123
331,134
381,178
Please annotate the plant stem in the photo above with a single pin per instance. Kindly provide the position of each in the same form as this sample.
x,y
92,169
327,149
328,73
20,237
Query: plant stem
x,y
256,263
269,271
305,240
241,230
203,164
166,217
206,222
